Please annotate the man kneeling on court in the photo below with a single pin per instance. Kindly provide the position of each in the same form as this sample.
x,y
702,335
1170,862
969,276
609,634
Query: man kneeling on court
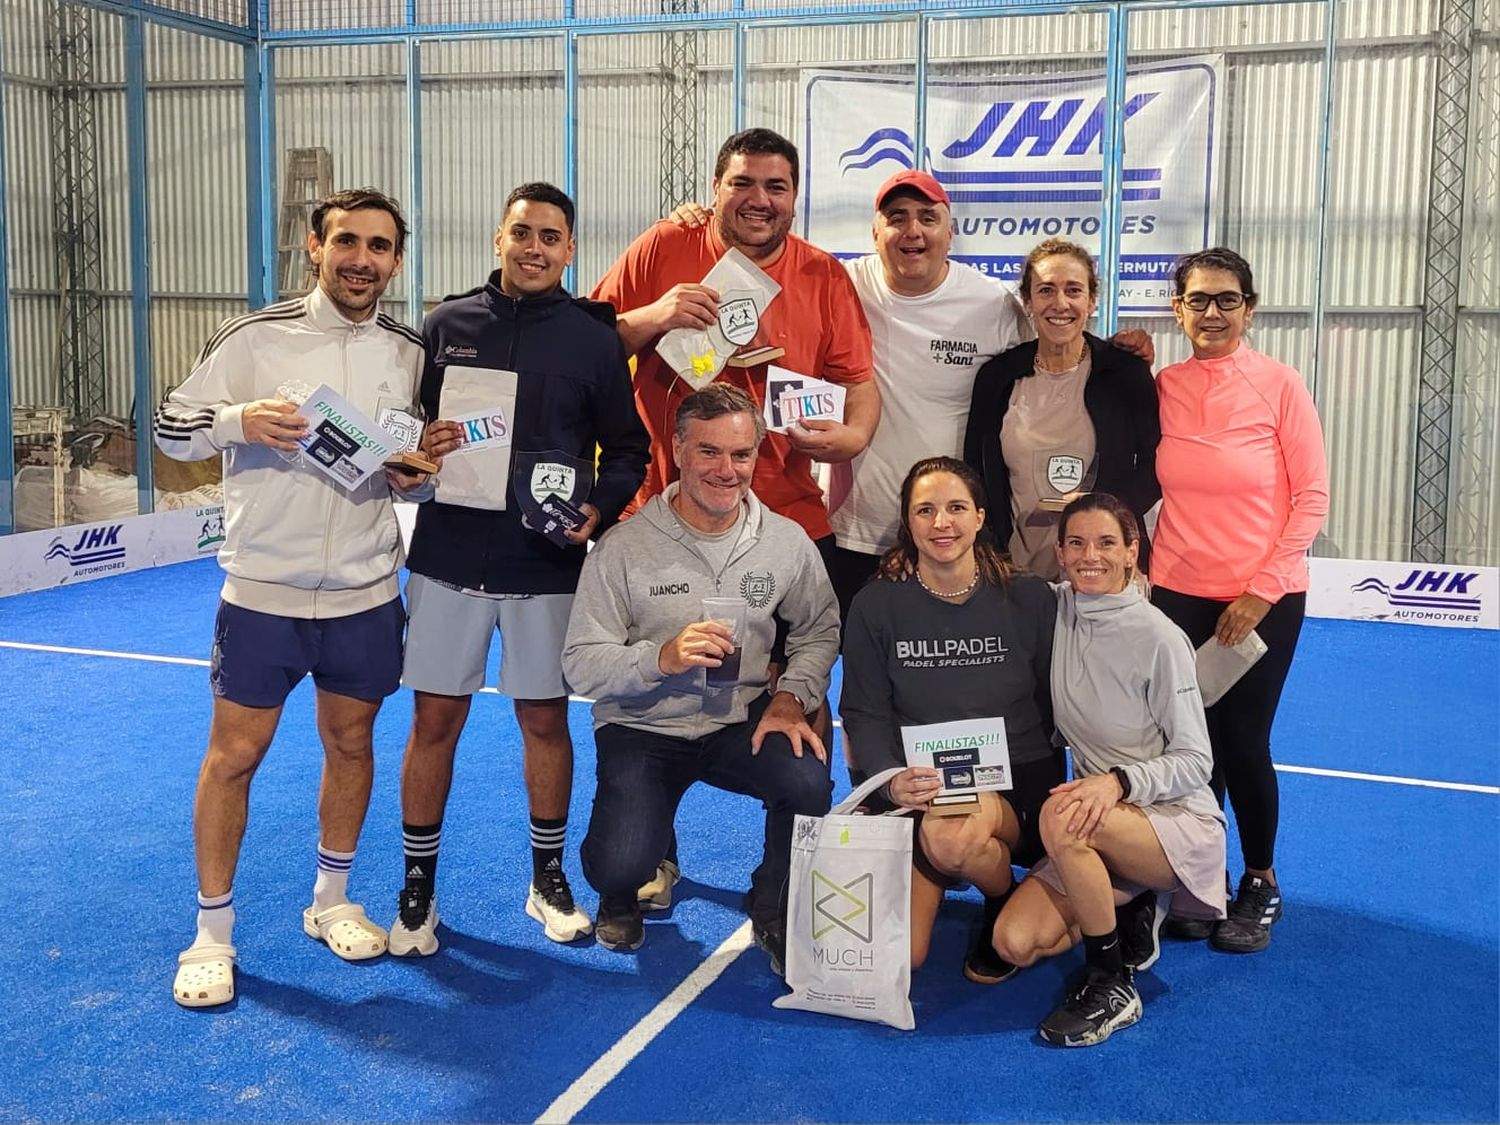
x,y
659,659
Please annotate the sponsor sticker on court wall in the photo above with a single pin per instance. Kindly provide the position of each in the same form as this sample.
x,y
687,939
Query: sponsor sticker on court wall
x,y
1408,593
37,560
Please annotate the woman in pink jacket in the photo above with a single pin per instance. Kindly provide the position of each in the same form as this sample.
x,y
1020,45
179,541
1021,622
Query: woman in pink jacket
x,y
1244,486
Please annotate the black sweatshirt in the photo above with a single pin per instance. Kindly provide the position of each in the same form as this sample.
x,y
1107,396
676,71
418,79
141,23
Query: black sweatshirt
x,y
912,659
573,393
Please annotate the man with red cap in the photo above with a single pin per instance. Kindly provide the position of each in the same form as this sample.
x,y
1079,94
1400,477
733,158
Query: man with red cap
x,y
934,323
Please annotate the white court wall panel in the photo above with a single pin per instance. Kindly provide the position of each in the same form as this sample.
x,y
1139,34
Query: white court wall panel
x,y
23,29
1475,511
621,87
493,115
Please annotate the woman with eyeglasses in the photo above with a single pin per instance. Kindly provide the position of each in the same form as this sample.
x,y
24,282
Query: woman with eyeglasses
x,y
1063,414
1244,485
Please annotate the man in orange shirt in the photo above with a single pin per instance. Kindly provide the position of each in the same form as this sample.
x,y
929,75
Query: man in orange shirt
x,y
656,285
816,319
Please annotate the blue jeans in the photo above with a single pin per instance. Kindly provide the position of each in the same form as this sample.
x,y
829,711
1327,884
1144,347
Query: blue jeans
x,y
642,776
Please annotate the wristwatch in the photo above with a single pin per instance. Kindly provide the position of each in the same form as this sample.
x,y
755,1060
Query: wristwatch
x,y
1124,779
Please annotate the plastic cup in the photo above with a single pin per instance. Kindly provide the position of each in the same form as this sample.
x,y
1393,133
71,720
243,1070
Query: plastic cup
x,y
729,612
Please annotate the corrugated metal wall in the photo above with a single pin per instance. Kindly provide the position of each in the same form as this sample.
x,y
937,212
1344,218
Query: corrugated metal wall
x,y
493,115
195,133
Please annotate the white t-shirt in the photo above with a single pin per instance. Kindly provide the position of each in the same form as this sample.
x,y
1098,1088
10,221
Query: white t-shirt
x,y
927,351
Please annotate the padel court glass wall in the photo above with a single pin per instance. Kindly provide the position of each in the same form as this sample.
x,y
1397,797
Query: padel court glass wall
x,y
159,161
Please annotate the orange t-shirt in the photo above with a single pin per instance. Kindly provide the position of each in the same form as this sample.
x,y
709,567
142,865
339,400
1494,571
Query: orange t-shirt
x,y
816,318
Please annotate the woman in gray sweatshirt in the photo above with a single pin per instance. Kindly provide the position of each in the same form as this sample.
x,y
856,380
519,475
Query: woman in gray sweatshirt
x,y
1138,822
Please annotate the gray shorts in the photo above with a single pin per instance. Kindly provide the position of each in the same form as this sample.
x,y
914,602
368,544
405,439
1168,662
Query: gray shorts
x,y
448,637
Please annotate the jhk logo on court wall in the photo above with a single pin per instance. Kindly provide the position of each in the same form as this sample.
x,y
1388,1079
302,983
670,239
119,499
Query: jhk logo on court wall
x,y
1409,593
96,550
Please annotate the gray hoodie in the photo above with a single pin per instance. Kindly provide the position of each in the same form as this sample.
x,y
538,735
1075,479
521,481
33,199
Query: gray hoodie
x,y
646,580
1125,693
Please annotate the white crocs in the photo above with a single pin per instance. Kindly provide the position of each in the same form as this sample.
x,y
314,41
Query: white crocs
x,y
205,976
346,930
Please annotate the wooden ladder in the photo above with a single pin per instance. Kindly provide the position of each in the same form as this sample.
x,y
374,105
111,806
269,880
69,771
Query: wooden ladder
x,y
309,177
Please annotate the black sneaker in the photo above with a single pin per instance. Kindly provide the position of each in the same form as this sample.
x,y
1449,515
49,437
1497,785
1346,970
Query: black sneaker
x,y
982,964
1183,928
1138,923
1188,929
770,935
1255,909
1098,1006
619,925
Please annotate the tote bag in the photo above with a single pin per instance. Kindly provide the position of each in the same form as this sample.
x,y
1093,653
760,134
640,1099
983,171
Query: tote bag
x,y
848,940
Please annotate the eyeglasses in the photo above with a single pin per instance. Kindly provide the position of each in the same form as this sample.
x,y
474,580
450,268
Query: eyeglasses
x,y
1227,302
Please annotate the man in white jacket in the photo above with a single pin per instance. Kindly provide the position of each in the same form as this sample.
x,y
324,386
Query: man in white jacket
x,y
310,564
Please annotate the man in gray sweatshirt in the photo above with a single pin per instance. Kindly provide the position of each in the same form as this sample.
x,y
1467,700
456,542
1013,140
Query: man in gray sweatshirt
x,y
638,643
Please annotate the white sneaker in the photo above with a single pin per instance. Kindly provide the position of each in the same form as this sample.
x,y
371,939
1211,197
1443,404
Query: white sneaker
x,y
657,894
414,932
552,905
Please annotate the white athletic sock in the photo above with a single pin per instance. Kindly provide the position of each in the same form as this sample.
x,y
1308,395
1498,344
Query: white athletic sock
x,y
215,919
332,885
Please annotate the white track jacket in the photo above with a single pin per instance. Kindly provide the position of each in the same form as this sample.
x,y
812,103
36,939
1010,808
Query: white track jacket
x,y
296,544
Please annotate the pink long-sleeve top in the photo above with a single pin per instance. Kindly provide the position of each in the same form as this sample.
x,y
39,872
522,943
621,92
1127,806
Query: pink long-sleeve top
x,y
1244,478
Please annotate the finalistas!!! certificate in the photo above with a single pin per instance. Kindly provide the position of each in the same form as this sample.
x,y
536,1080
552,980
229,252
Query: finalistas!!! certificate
x,y
971,754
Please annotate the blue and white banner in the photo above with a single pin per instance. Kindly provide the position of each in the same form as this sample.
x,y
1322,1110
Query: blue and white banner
x,y
1407,593
36,560
1022,160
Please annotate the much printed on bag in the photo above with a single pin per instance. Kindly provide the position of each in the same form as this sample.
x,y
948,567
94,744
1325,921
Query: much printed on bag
x,y
848,937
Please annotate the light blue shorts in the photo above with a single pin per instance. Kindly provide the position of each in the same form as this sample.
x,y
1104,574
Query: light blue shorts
x,y
448,637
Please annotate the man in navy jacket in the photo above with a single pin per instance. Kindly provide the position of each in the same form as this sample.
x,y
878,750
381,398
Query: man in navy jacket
x,y
480,562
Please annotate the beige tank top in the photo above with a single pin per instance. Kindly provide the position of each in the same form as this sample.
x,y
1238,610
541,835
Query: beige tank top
x,y
1047,440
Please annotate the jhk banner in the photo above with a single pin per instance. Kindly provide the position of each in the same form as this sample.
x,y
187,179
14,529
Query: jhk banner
x,y
1022,160
35,560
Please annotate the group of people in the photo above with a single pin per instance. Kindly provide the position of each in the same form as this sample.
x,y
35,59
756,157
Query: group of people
x,y
992,476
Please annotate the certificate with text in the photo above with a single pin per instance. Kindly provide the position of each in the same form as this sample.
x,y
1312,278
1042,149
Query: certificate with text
x,y
342,441
971,754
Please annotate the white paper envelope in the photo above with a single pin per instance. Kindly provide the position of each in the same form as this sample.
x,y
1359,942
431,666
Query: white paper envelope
x,y
1221,666
793,398
745,291
483,401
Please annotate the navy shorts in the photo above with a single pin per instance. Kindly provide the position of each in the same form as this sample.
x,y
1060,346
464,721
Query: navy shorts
x,y
259,658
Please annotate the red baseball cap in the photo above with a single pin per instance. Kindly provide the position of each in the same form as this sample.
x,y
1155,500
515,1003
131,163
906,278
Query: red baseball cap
x,y
919,181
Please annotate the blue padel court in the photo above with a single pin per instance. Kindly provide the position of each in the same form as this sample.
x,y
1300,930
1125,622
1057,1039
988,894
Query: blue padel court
x,y
1376,1002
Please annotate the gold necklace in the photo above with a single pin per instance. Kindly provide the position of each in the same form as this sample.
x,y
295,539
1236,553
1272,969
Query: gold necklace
x,y
1083,347
969,589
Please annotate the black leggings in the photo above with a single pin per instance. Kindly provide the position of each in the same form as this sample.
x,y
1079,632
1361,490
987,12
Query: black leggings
x,y
1239,725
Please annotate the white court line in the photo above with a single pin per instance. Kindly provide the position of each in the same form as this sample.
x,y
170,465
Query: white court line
x,y
1349,775
588,1085
194,662
1461,786
105,652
